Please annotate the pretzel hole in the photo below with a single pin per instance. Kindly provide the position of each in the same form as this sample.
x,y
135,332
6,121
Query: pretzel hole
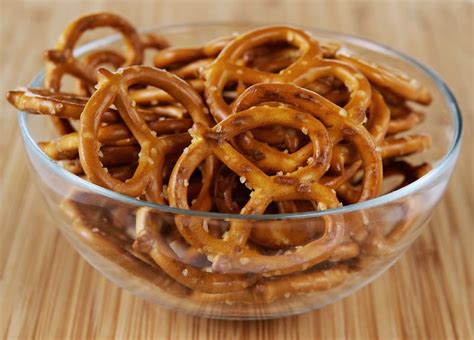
x,y
230,193
98,33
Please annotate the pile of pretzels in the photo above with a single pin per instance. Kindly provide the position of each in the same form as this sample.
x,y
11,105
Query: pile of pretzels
x,y
269,121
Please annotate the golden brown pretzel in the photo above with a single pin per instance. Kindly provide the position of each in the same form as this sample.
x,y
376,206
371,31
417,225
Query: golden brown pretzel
x,y
330,115
377,124
151,40
61,60
113,89
281,235
68,105
268,290
399,83
150,241
392,168
404,146
94,60
381,241
172,56
121,172
301,184
95,228
66,147
305,70
404,118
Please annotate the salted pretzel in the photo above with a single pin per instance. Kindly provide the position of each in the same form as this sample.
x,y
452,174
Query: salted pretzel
x,y
288,187
66,146
150,241
61,59
309,67
185,63
173,56
326,112
112,89
98,58
267,291
403,119
70,106
377,124
93,225
399,83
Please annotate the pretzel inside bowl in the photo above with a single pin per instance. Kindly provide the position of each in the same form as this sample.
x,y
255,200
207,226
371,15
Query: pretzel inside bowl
x,y
113,89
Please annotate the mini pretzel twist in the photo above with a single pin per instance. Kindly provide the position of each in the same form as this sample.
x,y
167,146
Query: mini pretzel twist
x,y
330,114
300,184
61,59
399,83
150,240
113,89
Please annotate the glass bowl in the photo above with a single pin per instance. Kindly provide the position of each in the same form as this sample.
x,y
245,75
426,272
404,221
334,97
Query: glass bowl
x,y
100,224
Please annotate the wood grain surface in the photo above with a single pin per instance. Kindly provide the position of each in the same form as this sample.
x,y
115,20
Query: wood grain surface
x,y
47,291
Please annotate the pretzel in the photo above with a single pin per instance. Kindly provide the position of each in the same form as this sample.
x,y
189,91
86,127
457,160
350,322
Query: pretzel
x,y
68,105
121,172
282,235
61,60
404,146
112,89
266,189
267,291
395,81
175,56
327,113
380,242
95,229
377,125
349,192
150,241
404,119
305,70
154,41
110,57
66,146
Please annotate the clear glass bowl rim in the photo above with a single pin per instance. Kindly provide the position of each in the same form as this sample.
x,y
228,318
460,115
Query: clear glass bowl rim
x,y
442,166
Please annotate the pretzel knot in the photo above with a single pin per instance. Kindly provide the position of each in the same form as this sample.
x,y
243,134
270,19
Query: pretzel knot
x,y
113,90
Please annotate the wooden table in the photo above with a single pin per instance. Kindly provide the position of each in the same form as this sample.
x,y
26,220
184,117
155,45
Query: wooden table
x,y
47,290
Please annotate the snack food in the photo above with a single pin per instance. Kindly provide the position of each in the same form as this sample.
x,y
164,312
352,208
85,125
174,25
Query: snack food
x,y
278,123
